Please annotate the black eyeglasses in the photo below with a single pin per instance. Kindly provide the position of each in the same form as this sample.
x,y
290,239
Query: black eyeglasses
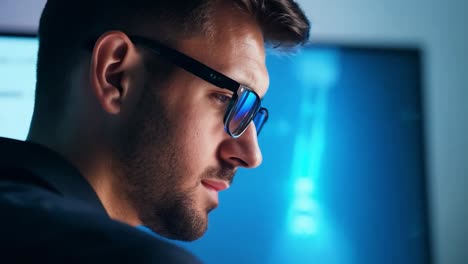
x,y
245,104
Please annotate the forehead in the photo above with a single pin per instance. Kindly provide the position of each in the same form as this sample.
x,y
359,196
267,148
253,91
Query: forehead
x,y
232,47
246,64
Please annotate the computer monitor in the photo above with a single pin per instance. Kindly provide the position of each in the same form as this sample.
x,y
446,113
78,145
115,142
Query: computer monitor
x,y
343,178
18,56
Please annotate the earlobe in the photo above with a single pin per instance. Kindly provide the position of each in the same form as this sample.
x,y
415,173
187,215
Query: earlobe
x,y
109,70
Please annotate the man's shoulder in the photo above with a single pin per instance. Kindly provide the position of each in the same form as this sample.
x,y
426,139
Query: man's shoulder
x,y
40,224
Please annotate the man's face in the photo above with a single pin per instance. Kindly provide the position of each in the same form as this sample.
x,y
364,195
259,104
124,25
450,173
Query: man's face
x,y
176,153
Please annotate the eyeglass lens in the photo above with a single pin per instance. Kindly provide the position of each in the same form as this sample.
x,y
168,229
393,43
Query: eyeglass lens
x,y
242,113
260,119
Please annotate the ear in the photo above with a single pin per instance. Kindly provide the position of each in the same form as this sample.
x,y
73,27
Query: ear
x,y
109,70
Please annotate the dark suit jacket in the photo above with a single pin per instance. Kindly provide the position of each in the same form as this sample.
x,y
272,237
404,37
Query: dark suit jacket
x,y
50,214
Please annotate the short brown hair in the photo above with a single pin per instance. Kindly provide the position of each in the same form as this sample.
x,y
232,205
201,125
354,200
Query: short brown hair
x,y
65,26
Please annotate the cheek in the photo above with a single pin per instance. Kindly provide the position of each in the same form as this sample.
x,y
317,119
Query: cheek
x,y
197,129
199,136
196,140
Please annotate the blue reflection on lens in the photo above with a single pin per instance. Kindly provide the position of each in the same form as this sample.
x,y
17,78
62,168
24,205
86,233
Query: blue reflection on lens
x,y
243,112
260,119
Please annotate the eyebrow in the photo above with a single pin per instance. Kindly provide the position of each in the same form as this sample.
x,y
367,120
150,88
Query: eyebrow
x,y
247,78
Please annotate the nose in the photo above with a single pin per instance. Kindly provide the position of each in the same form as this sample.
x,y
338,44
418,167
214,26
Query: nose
x,y
243,151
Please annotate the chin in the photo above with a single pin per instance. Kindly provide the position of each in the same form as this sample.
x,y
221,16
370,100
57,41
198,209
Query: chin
x,y
198,228
187,224
192,235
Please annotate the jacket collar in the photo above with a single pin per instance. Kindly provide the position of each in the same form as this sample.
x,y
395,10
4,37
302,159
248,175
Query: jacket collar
x,y
50,167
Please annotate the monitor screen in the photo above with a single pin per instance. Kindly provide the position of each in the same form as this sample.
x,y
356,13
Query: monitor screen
x,y
18,56
343,175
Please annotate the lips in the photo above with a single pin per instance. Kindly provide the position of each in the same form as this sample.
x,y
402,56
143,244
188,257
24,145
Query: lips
x,y
215,185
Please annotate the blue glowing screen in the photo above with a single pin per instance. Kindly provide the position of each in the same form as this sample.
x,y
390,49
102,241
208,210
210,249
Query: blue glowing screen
x,y
343,178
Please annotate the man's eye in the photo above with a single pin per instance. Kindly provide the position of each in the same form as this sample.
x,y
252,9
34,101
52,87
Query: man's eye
x,y
222,98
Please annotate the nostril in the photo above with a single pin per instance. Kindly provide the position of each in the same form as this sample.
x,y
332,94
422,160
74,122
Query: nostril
x,y
239,162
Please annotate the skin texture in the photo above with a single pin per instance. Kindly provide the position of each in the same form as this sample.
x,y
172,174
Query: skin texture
x,y
146,145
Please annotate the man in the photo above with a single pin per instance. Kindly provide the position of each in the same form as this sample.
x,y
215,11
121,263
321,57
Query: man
x,y
144,111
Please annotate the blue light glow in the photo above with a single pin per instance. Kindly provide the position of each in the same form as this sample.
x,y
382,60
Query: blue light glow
x,y
304,225
304,186
318,74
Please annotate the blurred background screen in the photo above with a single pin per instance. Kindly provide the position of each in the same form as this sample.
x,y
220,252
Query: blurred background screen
x,y
343,179
18,56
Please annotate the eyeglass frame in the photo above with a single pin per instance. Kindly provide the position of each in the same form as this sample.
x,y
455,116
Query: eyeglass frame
x,y
208,74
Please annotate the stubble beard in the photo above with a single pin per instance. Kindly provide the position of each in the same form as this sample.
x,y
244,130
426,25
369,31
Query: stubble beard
x,y
152,173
